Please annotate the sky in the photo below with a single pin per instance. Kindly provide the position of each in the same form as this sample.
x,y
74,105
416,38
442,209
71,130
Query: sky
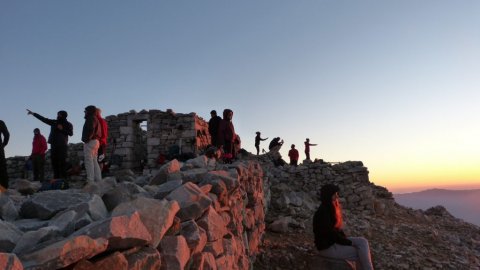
x,y
391,83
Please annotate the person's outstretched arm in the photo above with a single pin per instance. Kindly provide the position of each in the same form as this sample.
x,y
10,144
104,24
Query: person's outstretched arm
x,y
41,118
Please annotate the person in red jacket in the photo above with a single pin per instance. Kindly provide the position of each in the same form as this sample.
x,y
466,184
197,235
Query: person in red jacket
x,y
293,155
226,135
103,140
39,148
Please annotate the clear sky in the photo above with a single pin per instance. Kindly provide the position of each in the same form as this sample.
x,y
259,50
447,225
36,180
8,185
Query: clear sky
x,y
394,84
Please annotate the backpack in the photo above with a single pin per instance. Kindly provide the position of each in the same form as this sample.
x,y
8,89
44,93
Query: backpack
x,y
54,184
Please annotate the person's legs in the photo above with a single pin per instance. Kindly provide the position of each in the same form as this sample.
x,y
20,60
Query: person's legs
x,y
36,167
3,169
308,155
337,251
258,149
88,157
55,157
363,250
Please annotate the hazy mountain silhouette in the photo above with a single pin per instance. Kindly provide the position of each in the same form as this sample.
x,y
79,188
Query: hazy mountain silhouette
x,y
463,204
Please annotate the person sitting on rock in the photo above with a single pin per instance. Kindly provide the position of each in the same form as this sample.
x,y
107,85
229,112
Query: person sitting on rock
x,y
330,239
275,144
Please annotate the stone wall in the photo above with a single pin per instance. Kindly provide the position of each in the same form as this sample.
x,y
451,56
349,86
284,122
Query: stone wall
x,y
194,215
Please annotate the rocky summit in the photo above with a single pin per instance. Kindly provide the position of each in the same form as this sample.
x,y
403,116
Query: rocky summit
x,y
202,214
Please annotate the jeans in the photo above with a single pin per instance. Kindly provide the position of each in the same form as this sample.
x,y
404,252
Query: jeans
x,y
359,252
90,152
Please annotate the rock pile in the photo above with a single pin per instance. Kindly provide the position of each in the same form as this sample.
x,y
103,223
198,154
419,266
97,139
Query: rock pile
x,y
194,215
400,238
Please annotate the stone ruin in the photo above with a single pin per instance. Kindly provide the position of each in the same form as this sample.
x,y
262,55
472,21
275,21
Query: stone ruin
x,y
137,140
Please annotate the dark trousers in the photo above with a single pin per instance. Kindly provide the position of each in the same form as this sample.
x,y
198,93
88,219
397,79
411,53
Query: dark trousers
x,y
293,162
258,149
308,155
3,169
59,161
38,167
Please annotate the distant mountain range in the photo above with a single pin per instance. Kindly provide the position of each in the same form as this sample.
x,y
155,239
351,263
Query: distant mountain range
x,y
463,204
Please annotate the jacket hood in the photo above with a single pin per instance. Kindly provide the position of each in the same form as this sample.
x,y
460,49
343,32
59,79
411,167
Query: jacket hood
x,y
326,193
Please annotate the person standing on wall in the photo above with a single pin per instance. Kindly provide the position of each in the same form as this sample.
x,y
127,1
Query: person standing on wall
x,y
213,125
102,149
39,148
293,155
257,142
307,148
3,162
91,133
60,129
226,135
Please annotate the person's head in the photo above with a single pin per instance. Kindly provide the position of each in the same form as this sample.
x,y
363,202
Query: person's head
x,y
308,139
227,114
258,132
90,110
36,131
329,198
62,115
213,113
293,146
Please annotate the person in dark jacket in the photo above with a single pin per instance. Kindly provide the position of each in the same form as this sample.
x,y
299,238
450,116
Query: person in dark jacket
x,y
226,135
60,129
257,142
91,135
307,148
3,162
213,125
39,147
293,155
330,239
275,144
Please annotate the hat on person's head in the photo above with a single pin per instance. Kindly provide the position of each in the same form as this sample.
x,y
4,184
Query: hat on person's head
x,y
258,132
326,193
308,139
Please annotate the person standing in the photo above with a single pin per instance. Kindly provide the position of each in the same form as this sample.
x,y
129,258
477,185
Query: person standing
x,y
3,162
257,142
213,125
39,147
103,140
293,155
330,239
226,135
60,129
307,148
91,133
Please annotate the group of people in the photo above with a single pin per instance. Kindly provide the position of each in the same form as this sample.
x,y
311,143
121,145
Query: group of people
x,y
94,137
223,136
276,143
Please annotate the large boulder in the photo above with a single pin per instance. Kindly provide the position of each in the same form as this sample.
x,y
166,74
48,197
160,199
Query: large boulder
x,y
8,211
145,258
162,175
175,252
122,232
9,236
45,205
9,261
157,216
64,253
193,202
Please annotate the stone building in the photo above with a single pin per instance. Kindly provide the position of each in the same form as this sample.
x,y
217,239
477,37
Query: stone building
x,y
140,139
